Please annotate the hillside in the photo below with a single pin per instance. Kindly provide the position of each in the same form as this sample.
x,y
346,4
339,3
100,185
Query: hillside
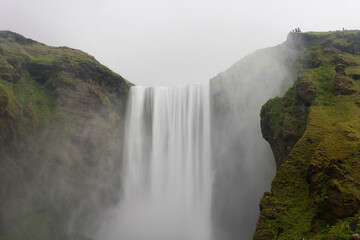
x,y
60,120
314,132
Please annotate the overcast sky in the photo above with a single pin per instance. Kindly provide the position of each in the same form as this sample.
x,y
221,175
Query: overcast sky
x,y
172,42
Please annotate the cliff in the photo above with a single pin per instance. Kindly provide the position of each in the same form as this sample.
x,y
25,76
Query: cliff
x,y
60,122
243,162
314,133
61,116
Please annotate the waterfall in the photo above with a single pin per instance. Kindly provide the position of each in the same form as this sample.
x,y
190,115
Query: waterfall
x,y
167,173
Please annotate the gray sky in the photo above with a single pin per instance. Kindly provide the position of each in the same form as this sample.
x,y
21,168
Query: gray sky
x,y
172,42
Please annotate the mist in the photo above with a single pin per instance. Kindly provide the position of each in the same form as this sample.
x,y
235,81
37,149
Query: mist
x,y
71,180
171,43
163,191
64,178
243,161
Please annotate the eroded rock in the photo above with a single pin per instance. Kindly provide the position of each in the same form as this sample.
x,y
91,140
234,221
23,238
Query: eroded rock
x,y
343,85
305,91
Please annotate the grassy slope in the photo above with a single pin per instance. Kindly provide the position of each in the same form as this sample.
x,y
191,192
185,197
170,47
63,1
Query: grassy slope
x,y
31,72
315,137
56,104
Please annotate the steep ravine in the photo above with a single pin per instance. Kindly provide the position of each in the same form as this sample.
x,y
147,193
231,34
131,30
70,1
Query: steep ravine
x,y
314,133
61,114
61,123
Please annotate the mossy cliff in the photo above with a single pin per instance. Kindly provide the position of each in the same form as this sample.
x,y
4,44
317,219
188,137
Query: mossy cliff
x,y
60,120
314,132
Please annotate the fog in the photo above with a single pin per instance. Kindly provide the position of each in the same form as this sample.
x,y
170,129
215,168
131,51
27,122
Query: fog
x,y
167,177
164,43
243,162
166,191
62,178
171,43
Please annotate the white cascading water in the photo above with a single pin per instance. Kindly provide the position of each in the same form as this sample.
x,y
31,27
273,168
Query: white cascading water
x,y
167,174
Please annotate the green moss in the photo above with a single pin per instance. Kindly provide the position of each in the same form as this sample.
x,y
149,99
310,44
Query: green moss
x,y
37,102
315,192
353,70
282,123
9,113
60,110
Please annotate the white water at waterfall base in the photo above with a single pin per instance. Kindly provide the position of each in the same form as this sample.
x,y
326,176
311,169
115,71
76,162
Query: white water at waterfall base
x,y
167,172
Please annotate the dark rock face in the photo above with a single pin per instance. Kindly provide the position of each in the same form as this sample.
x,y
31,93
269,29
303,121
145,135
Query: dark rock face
x,y
326,185
343,85
341,204
355,76
340,69
305,91
313,175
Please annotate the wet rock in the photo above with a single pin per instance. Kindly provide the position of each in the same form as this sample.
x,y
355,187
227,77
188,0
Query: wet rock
x,y
343,85
336,172
340,69
341,203
312,175
355,76
267,194
305,91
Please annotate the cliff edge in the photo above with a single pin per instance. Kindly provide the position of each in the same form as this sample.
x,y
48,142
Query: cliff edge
x,y
61,114
314,133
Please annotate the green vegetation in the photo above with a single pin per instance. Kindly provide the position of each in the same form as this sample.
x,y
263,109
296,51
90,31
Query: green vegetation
x,y
54,153
60,113
314,132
